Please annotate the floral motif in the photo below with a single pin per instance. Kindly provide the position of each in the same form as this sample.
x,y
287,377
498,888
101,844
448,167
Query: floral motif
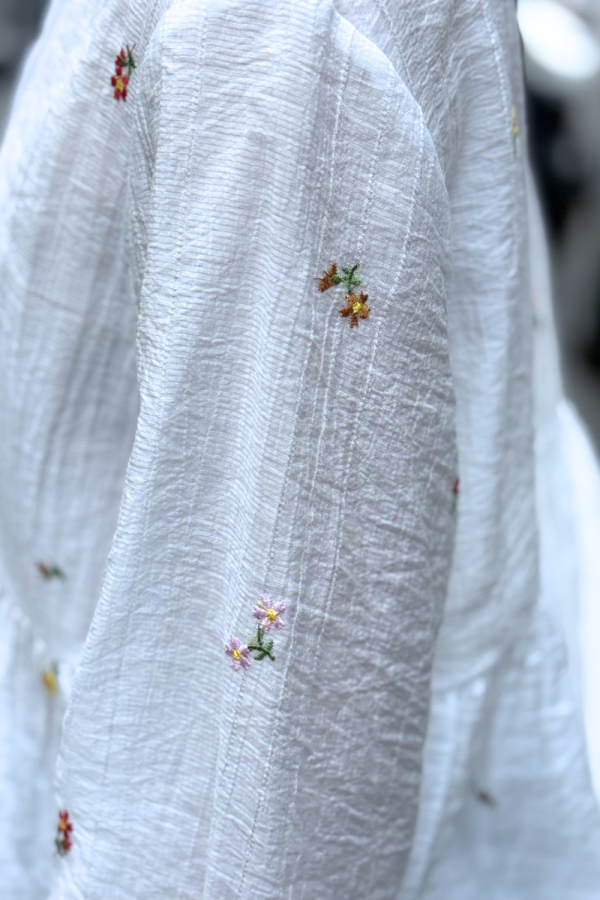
x,y
50,679
454,494
63,831
515,125
269,613
355,307
238,652
120,80
49,572
330,278
515,129
487,798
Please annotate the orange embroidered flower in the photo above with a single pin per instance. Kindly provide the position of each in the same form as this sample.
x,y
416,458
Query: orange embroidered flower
x,y
356,304
329,279
356,308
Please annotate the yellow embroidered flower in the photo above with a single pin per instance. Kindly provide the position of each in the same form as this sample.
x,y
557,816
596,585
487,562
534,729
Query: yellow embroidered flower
x,y
50,679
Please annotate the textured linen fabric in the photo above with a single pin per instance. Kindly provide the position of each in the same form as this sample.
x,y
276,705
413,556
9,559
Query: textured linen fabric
x,y
506,809
68,407
276,449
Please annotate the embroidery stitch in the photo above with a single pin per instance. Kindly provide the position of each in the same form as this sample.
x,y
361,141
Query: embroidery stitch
x,y
49,572
455,495
119,80
238,652
355,307
50,679
64,828
487,798
262,649
268,612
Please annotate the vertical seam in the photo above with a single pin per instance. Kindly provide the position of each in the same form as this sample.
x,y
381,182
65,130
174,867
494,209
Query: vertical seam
x,y
156,455
341,518
227,763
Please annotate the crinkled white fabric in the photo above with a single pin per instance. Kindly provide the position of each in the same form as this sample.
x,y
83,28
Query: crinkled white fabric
x,y
584,482
505,758
507,807
277,449
68,407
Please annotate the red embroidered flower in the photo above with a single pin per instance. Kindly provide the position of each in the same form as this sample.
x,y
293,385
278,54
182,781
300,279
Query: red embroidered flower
x,y
120,82
454,495
123,60
63,830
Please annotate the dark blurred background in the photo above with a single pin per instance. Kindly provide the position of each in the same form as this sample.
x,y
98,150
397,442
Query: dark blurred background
x,y
561,42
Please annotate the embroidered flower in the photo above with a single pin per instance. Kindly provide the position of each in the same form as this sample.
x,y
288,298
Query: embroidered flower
x,y
63,830
356,307
50,679
49,572
356,304
269,613
120,80
515,125
487,798
329,279
238,652
455,494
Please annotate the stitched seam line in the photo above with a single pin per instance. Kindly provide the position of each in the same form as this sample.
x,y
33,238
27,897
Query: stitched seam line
x,y
340,528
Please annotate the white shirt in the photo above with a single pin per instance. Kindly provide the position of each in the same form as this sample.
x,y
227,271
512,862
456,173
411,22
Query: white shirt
x,y
278,450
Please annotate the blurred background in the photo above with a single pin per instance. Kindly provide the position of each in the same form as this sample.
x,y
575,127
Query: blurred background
x,y
561,42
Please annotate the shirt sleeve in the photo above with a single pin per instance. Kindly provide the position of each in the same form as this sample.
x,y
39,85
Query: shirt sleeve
x,y
249,715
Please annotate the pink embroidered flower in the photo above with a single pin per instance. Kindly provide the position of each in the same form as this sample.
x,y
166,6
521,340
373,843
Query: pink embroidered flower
x,y
268,613
64,828
238,652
